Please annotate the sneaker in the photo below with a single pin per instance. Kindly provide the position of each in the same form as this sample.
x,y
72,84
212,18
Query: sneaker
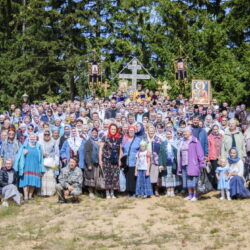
x,y
172,194
5,204
194,199
222,198
229,198
108,197
157,194
113,196
91,195
188,198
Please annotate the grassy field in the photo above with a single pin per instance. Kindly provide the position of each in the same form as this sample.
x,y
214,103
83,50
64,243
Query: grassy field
x,y
155,223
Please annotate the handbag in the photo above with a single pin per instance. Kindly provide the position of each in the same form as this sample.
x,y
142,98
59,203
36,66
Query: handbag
x,y
204,185
49,162
100,180
122,181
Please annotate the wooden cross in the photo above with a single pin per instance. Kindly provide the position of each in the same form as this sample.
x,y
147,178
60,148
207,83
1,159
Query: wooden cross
x,y
159,83
105,87
134,76
165,88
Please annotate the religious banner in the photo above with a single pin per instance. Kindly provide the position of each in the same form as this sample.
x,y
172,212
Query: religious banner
x,y
123,85
201,91
180,69
95,73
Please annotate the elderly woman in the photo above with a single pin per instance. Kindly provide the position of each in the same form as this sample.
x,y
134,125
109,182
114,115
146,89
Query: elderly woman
x,y
233,138
190,162
130,147
8,184
236,175
168,165
91,156
51,161
109,159
29,165
214,152
10,147
208,123
154,144
73,147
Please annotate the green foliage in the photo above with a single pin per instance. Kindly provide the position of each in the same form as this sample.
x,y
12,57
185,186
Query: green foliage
x,y
44,45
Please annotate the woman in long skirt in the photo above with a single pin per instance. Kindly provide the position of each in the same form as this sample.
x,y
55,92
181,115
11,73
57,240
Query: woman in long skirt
x,y
109,159
29,165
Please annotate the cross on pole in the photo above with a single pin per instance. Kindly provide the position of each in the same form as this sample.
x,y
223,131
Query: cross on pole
x,y
165,88
105,87
134,76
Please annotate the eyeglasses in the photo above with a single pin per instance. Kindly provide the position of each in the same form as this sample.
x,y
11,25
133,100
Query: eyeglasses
x,y
46,134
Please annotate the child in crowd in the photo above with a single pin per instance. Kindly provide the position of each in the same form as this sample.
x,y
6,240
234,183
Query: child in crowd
x,y
223,179
143,184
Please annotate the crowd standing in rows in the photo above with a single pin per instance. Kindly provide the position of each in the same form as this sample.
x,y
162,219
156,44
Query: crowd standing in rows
x,y
143,146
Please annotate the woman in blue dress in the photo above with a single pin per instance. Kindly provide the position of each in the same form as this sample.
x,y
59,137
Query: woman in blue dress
x,y
29,165
237,180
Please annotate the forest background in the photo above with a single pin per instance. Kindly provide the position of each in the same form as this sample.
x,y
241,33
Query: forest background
x,y
45,44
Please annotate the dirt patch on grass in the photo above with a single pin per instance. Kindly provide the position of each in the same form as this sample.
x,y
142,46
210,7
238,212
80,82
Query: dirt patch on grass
x,y
156,223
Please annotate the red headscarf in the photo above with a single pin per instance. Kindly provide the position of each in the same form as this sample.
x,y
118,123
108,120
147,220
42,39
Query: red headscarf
x,y
132,127
117,134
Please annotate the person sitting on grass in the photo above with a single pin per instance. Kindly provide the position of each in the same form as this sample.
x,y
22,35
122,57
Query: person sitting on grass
x,y
8,184
70,182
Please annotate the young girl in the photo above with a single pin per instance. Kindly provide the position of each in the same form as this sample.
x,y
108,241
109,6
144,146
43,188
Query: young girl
x,y
223,178
143,184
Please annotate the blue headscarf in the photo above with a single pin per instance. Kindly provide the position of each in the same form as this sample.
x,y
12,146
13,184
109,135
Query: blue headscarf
x,y
141,132
67,125
233,160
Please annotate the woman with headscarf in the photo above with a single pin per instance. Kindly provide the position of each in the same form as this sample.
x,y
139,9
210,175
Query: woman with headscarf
x,y
168,165
208,123
154,144
91,156
29,165
236,175
73,147
130,147
160,131
21,133
190,162
50,115
10,146
109,159
51,161
140,131
214,152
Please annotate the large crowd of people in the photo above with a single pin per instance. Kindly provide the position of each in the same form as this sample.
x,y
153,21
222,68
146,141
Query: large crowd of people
x,y
140,145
